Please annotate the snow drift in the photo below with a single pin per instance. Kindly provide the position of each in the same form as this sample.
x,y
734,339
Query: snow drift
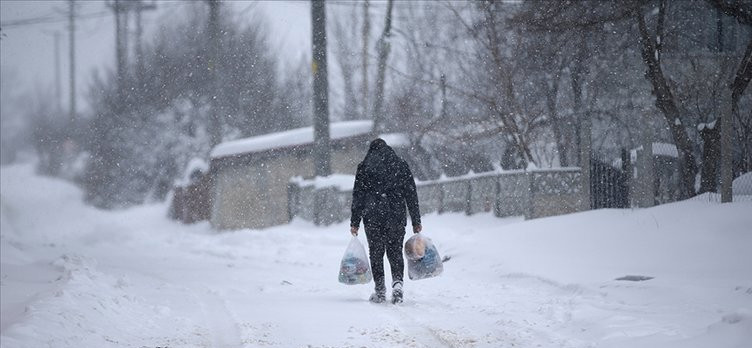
x,y
73,276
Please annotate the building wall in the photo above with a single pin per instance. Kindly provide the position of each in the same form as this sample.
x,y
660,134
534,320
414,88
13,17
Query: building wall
x,y
255,194
345,160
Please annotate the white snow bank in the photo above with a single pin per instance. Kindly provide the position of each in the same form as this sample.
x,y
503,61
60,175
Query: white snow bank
x,y
342,182
87,278
87,308
299,136
396,139
345,182
742,185
659,149
713,197
710,125
195,164
665,149
496,171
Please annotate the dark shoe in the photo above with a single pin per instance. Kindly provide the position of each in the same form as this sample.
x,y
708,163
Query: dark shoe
x,y
378,297
397,292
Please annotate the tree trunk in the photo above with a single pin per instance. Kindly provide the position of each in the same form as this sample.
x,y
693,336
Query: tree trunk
x,y
742,78
556,124
665,102
579,69
345,58
711,156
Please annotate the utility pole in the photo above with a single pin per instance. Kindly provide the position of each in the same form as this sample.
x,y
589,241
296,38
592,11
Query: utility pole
x,y
366,34
139,35
126,7
116,7
321,151
215,127
442,85
72,30
58,86
140,6
383,48
121,9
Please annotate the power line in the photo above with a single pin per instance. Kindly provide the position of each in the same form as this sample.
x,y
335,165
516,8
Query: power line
x,y
63,17
49,19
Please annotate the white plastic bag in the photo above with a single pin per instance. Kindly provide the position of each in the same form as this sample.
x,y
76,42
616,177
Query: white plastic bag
x,y
355,268
423,260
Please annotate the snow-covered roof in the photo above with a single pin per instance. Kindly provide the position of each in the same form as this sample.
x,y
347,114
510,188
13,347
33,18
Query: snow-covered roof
x,y
293,137
702,126
342,182
665,149
659,149
742,185
195,164
396,139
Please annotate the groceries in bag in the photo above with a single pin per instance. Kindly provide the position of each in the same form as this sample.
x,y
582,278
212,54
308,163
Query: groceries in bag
x,y
423,260
355,268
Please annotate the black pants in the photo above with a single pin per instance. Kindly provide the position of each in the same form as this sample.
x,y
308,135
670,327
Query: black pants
x,y
386,240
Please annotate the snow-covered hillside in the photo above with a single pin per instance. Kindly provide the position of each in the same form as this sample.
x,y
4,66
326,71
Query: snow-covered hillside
x,y
73,276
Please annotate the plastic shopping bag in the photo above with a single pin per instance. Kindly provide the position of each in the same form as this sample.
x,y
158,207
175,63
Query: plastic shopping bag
x,y
355,268
423,260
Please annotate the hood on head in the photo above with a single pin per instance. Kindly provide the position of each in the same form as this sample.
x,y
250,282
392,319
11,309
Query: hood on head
x,y
380,156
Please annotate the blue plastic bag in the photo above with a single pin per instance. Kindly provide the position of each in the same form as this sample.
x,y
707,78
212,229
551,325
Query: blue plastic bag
x,y
423,259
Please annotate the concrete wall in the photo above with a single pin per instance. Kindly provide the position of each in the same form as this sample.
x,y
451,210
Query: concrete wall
x,y
531,194
555,193
455,195
483,191
430,197
513,198
345,160
255,193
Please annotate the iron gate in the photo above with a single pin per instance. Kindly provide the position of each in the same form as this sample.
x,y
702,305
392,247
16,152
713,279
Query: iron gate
x,y
609,187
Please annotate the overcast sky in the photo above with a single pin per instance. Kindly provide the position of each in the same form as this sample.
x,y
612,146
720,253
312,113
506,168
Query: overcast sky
x,y
27,48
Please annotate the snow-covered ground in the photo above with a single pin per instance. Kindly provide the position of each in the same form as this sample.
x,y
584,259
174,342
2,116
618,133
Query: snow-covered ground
x,y
73,276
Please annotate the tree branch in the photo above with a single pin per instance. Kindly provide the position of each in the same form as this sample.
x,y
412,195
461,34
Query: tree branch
x,y
738,9
743,74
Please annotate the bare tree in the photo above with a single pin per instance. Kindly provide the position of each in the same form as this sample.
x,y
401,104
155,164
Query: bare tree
x,y
345,44
651,46
382,49
742,12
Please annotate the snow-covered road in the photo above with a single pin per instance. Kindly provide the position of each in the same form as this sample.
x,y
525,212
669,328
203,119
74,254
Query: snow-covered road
x,y
73,276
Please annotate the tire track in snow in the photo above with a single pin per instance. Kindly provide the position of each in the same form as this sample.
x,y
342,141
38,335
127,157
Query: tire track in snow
x,y
423,334
223,329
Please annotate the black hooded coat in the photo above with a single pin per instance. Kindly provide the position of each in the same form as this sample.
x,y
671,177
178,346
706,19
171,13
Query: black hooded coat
x,y
384,185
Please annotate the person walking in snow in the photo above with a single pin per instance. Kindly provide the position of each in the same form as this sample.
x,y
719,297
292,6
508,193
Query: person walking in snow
x,y
383,187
